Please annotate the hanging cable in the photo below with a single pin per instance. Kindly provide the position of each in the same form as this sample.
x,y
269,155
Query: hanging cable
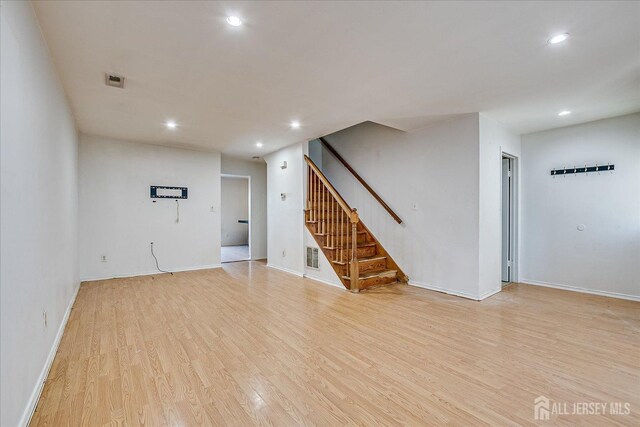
x,y
177,211
158,265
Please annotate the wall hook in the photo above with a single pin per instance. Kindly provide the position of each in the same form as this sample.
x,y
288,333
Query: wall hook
x,y
586,169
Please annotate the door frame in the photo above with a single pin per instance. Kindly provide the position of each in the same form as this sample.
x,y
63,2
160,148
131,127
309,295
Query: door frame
x,y
514,226
248,178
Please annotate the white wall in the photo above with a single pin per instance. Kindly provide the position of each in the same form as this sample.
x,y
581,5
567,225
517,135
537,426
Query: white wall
x,y
39,200
436,168
494,140
119,219
234,202
285,217
258,172
605,257
287,231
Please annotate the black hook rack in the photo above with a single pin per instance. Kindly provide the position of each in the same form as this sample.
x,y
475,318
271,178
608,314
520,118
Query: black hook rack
x,y
585,169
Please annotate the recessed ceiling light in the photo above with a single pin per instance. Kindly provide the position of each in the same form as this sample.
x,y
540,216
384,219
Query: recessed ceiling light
x,y
559,38
259,144
295,124
234,20
171,124
564,113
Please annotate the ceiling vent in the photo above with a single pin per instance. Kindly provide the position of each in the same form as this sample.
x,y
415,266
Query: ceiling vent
x,y
113,80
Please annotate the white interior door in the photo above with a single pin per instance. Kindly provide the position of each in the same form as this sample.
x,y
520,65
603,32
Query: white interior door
x,y
506,219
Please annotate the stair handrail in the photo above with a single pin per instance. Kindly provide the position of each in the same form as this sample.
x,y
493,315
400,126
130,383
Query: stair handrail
x,y
361,180
352,212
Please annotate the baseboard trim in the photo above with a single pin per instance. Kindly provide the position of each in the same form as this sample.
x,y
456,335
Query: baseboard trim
x,y
581,290
37,391
286,270
489,293
326,282
442,290
151,273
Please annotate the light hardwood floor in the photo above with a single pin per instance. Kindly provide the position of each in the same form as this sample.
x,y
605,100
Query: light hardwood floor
x,y
234,253
249,345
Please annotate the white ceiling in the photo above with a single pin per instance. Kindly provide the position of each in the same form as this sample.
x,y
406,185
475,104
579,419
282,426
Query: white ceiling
x,y
334,64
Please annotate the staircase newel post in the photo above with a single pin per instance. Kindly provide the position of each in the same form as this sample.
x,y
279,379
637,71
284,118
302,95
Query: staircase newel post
x,y
355,274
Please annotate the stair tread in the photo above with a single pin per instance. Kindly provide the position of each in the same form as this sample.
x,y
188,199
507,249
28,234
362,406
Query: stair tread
x,y
360,245
369,275
362,259
345,223
339,234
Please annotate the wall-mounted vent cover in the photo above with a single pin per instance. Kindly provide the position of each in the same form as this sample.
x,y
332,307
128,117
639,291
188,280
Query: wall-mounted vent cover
x,y
114,80
312,257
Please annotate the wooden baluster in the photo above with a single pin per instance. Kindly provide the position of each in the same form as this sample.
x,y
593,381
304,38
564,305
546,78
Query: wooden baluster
x,y
307,200
320,217
355,273
343,218
341,234
342,215
330,224
330,210
324,211
321,195
315,203
335,229
333,223
312,204
309,177
336,237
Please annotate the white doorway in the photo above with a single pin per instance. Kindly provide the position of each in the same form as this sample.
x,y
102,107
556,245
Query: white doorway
x,y
235,218
509,219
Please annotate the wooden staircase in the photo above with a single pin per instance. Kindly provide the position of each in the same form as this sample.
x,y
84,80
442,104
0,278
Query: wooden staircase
x,y
355,254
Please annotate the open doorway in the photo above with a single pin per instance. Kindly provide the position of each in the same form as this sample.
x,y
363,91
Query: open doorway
x,y
235,218
509,220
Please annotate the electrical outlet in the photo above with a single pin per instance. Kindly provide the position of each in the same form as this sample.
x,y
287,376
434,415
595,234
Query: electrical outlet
x,y
103,258
44,318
